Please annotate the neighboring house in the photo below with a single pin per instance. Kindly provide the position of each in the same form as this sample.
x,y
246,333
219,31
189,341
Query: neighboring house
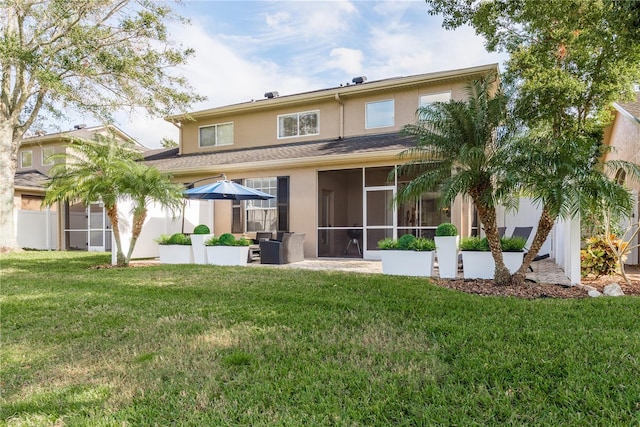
x,y
326,155
623,136
73,227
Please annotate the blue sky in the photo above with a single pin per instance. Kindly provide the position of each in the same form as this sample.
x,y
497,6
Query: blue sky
x,y
247,48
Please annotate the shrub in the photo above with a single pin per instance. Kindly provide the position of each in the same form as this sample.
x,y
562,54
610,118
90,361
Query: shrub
x,y
406,241
163,239
201,229
423,244
179,239
446,229
474,243
227,239
597,259
387,244
512,244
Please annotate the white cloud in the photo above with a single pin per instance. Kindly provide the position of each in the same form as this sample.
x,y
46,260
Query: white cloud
x,y
296,46
348,60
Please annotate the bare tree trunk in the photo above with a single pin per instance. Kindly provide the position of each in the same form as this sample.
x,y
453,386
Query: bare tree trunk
x,y
8,164
112,213
545,224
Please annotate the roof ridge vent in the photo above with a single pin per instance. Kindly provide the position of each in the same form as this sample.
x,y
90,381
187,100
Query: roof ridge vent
x,y
272,94
359,80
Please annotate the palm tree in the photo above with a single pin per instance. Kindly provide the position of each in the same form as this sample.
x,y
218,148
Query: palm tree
x,y
108,170
457,145
565,174
90,171
145,185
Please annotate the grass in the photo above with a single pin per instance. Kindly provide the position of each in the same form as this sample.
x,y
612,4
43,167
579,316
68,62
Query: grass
x,y
203,345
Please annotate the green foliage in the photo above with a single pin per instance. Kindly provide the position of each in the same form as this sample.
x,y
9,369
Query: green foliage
x,y
507,244
423,244
96,58
512,244
446,229
179,239
474,243
201,229
387,244
406,241
227,239
597,258
163,239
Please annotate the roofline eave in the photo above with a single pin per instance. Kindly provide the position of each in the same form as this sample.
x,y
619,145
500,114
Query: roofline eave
x,y
299,162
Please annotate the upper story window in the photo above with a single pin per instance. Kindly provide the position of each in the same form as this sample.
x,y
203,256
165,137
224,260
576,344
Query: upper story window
x,y
380,114
426,100
434,97
299,124
47,152
26,159
216,135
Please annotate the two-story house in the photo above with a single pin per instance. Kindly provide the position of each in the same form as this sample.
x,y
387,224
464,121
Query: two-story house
x,y
326,155
75,226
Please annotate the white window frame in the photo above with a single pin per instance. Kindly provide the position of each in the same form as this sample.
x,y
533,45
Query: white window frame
x,y
366,114
46,156
22,153
297,135
422,102
261,205
217,143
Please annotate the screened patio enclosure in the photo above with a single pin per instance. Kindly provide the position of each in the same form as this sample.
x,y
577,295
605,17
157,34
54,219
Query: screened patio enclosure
x,y
356,210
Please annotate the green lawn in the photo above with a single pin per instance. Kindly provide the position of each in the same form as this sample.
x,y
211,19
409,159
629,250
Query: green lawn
x,y
210,346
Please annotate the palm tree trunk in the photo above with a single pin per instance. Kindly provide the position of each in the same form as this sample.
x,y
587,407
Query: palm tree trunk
x,y
112,213
545,224
502,276
138,222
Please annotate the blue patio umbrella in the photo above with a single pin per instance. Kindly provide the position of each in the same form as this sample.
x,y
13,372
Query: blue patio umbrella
x,y
226,190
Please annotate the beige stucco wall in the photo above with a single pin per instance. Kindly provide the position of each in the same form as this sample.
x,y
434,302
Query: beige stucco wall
x,y
303,207
345,114
625,141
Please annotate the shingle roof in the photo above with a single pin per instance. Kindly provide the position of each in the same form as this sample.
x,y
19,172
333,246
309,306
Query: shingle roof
x,y
352,146
31,179
632,108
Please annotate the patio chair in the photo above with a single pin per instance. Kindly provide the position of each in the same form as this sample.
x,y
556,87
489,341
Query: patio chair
x,y
289,250
525,232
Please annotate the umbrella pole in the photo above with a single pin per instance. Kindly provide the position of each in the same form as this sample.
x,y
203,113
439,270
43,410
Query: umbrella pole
x,y
184,203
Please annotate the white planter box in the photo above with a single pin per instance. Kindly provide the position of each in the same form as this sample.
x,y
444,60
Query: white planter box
x,y
447,253
199,252
227,255
480,265
175,254
407,263
513,260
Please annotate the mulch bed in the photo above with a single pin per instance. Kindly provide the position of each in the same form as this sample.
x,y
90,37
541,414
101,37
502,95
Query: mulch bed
x,y
532,290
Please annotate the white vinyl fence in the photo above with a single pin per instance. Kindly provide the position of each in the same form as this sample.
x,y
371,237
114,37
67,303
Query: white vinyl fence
x,y
159,221
37,229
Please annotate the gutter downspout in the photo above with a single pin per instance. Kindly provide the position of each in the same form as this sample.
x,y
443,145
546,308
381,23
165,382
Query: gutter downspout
x,y
179,126
341,116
